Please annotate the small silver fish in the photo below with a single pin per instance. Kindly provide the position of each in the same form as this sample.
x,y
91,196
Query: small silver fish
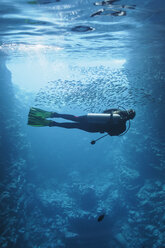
x,y
109,2
98,12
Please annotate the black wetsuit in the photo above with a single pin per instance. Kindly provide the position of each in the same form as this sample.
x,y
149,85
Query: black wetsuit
x,y
113,128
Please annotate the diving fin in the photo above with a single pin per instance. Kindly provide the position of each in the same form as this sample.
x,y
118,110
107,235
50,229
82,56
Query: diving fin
x,y
37,121
36,112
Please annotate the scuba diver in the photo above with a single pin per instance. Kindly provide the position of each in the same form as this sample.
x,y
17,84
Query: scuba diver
x,y
111,121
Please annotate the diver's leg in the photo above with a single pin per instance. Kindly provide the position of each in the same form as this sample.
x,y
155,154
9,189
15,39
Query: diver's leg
x,y
71,125
64,124
70,117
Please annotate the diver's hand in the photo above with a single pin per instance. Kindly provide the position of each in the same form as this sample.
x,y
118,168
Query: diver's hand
x,y
116,118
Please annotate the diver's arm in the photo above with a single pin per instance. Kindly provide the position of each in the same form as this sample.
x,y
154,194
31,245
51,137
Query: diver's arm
x,y
119,126
116,118
117,131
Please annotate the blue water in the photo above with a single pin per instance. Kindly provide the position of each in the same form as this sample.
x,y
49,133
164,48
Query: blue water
x,y
53,183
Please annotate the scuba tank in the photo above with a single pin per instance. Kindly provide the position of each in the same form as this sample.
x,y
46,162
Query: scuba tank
x,y
98,118
103,118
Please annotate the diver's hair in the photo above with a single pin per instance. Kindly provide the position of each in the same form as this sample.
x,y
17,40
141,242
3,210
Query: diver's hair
x,y
131,114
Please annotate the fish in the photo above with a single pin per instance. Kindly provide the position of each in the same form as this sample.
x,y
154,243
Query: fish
x,y
101,217
112,12
119,13
129,6
82,28
109,2
98,12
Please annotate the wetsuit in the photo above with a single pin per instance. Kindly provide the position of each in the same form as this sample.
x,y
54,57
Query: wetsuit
x,y
114,125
